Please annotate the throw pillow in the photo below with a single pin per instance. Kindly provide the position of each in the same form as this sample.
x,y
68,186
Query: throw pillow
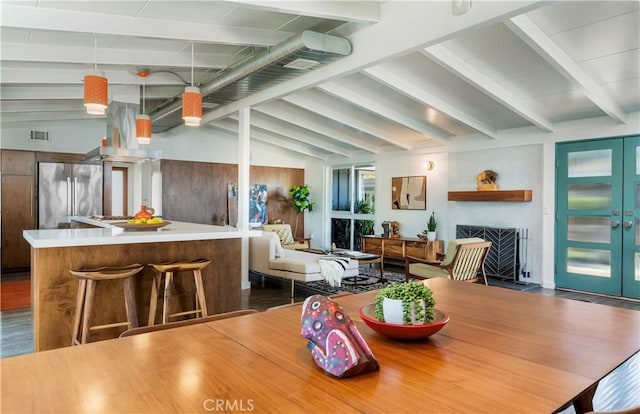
x,y
285,235
276,241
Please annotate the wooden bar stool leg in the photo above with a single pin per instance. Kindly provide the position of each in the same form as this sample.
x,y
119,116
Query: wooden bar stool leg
x,y
153,304
82,287
130,303
168,285
88,304
197,278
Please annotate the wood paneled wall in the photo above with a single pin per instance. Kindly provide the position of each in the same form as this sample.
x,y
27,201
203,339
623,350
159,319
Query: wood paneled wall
x,y
197,191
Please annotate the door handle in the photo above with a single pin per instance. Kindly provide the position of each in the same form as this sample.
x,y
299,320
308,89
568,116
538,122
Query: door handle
x,y
615,224
628,224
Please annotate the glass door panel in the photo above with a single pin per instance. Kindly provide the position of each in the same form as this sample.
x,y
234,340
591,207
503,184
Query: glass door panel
x,y
598,216
589,187
630,219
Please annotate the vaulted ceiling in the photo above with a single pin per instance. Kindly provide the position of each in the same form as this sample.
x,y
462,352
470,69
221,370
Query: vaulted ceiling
x,y
419,74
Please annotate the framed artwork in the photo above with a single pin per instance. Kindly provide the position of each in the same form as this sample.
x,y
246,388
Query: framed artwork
x,y
257,204
409,193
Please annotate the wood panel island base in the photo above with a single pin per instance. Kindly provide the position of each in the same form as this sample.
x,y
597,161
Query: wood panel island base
x,y
54,252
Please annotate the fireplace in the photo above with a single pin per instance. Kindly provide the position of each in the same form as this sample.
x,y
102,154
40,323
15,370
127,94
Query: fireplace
x,y
507,259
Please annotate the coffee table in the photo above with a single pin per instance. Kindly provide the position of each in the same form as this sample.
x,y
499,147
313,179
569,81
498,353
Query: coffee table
x,y
363,258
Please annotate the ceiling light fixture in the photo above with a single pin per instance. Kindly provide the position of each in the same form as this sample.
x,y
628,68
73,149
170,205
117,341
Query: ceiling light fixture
x,y
191,101
95,86
143,122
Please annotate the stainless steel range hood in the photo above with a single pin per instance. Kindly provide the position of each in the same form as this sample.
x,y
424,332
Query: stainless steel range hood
x,y
121,137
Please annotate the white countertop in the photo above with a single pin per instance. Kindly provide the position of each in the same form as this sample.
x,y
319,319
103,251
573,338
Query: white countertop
x,y
108,234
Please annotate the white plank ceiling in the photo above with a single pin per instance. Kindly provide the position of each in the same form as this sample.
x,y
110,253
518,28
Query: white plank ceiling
x,y
421,74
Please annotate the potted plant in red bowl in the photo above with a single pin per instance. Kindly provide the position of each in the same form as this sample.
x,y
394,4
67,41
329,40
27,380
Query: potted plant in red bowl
x,y
404,311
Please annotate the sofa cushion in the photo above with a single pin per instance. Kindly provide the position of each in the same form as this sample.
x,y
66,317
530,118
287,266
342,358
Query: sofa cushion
x,y
302,262
427,271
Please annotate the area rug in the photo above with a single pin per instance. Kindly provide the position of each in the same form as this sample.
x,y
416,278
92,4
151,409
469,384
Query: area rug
x,y
369,279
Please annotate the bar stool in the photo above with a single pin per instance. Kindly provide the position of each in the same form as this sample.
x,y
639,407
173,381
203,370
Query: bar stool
x,y
87,280
168,269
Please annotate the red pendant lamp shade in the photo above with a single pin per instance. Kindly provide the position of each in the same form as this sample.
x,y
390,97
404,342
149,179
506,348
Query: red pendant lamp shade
x,y
143,129
191,106
95,93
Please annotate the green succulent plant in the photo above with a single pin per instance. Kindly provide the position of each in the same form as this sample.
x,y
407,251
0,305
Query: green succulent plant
x,y
408,292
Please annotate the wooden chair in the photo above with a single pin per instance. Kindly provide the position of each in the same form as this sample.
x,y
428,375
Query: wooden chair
x,y
168,270
186,322
464,258
87,281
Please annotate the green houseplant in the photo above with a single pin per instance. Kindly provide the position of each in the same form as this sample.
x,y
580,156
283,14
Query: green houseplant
x,y
431,227
405,303
301,201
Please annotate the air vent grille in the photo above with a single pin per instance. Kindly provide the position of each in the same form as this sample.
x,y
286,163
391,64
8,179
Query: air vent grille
x,y
39,135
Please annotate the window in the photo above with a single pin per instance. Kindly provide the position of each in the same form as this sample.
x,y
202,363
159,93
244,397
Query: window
x,y
352,204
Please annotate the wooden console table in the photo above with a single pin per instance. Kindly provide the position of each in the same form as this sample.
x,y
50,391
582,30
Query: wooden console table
x,y
398,248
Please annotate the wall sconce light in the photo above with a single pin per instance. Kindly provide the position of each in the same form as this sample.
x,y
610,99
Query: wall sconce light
x,y
191,101
143,122
95,87
429,165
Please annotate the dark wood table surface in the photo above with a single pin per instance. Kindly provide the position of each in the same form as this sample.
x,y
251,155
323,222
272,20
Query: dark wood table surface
x,y
502,351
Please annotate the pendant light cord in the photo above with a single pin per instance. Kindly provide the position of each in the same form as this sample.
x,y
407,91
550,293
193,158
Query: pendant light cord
x,y
144,110
95,51
191,64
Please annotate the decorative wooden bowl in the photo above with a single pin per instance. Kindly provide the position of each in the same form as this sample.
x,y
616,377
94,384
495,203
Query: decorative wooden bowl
x,y
403,332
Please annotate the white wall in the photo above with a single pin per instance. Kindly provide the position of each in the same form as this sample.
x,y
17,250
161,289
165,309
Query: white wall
x,y
518,168
66,136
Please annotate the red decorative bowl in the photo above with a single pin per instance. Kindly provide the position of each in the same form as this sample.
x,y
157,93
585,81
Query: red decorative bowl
x,y
402,332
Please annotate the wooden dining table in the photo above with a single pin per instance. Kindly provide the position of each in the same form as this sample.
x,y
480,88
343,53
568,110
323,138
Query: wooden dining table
x,y
502,351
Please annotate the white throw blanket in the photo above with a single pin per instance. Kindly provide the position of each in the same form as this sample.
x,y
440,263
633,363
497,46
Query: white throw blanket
x,y
332,269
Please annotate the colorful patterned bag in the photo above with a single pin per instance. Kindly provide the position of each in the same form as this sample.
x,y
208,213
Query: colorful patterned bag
x,y
334,341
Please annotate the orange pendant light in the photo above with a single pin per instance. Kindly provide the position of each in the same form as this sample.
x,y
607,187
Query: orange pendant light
x,y
143,129
95,88
143,122
191,106
191,101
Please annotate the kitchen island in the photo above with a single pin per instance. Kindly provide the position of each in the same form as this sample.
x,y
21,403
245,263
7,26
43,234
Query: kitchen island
x,y
55,251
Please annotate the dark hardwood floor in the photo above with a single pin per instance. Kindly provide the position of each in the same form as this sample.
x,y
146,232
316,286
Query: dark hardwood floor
x,y
16,333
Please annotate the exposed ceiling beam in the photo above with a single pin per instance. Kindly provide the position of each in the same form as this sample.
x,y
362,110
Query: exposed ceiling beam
x,y
383,110
80,113
294,133
409,89
269,138
41,18
298,117
23,52
365,12
72,77
531,34
476,78
423,23
7,106
41,92
306,101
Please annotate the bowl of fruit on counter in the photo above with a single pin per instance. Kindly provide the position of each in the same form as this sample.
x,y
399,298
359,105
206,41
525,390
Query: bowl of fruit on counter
x,y
144,220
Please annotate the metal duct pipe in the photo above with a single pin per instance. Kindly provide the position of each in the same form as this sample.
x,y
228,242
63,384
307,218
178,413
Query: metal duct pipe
x,y
308,40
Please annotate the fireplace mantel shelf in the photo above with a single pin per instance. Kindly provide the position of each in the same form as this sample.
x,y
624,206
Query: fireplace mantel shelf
x,y
503,195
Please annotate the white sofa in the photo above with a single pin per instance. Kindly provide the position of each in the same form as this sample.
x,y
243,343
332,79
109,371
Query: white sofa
x,y
267,256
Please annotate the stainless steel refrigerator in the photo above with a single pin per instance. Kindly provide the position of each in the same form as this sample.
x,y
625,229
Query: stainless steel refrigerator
x,y
67,190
